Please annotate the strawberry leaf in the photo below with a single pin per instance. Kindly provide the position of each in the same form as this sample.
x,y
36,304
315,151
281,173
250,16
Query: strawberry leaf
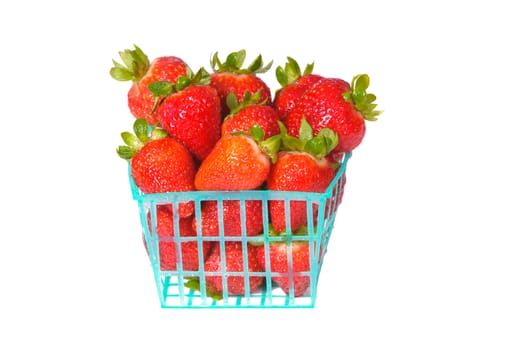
x,y
308,69
133,143
215,62
161,88
131,140
182,82
281,76
256,64
289,143
234,62
361,100
291,72
257,133
305,131
292,68
141,129
330,137
158,133
319,145
136,64
120,73
271,146
264,68
236,106
194,284
232,102
202,77
126,152
360,83
316,147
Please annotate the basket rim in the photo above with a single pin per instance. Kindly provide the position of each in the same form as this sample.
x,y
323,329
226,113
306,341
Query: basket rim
x,y
138,195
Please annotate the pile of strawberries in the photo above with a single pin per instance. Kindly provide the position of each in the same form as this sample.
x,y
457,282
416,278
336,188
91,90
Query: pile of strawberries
x,y
225,131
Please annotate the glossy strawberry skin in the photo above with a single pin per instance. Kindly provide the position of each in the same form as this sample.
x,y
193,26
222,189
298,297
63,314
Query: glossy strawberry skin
x,y
140,98
323,105
235,163
193,117
296,171
265,116
167,244
165,165
232,222
286,98
228,82
235,261
279,264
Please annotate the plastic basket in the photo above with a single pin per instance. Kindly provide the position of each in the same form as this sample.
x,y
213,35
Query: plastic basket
x,y
321,209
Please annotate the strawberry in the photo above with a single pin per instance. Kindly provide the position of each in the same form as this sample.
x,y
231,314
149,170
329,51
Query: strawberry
x,y
238,162
335,104
232,222
249,112
301,166
229,76
189,111
167,243
159,163
293,83
236,256
138,69
297,276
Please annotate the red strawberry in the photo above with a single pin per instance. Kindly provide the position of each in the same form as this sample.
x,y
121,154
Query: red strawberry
x,y
234,262
231,77
298,273
167,243
294,84
335,104
247,113
190,111
232,222
159,163
238,162
301,167
139,70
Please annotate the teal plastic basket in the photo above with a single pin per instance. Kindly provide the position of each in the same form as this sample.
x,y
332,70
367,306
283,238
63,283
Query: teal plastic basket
x,y
172,284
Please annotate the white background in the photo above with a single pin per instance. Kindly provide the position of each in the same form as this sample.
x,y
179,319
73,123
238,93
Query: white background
x,y
421,255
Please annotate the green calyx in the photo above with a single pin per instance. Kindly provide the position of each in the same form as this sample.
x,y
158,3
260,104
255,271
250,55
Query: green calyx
x,y
194,284
291,72
318,146
359,97
136,64
248,99
163,89
270,146
142,135
284,236
234,62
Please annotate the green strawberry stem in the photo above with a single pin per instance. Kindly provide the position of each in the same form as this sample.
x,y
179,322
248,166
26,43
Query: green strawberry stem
x,y
163,89
359,97
247,100
269,146
234,62
318,146
291,72
194,284
136,65
284,236
142,135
